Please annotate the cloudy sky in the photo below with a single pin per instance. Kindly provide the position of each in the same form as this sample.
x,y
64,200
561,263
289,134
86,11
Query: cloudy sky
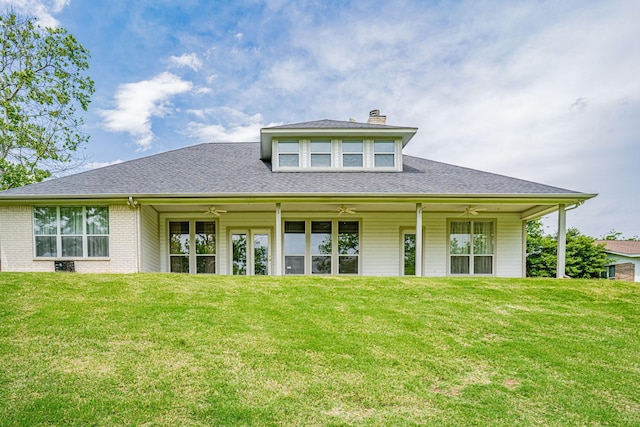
x,y
547,91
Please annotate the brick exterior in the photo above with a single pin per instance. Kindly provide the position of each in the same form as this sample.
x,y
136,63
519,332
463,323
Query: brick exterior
x,y
625,272
17,253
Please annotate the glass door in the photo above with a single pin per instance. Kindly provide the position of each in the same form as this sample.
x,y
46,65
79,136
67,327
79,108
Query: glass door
x,y
251,253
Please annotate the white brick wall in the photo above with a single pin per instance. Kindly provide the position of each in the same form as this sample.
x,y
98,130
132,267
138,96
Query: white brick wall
x,y
16,243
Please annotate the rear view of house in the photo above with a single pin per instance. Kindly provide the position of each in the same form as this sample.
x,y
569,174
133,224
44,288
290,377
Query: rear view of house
x,y
324,197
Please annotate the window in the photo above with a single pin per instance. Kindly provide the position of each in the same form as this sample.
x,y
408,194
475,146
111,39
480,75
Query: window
x,y
309,247
384,154
352,154
321,247
348,247
294,247
289,154
321,153
471,247
409,253
192,247
71,231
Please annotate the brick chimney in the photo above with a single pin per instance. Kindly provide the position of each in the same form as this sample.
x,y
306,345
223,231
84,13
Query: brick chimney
x,y
376,119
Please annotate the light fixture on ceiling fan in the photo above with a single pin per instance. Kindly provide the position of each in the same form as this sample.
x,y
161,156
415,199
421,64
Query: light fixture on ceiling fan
x,y
346,210
469,210
215,211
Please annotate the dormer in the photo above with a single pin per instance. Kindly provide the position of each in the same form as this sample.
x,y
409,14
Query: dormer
x,y
336,146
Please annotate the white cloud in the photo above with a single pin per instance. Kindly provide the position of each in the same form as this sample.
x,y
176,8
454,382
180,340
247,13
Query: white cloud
x,y
237,126
137,103
190,60
96,165
42,10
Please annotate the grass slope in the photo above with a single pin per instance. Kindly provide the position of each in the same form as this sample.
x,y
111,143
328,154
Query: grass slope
x,y
184,350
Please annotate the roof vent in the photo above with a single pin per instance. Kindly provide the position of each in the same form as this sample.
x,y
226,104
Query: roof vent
x,y
376,119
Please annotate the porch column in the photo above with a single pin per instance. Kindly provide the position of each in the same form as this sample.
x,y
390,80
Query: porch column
x,y
278,236
418,239
562,241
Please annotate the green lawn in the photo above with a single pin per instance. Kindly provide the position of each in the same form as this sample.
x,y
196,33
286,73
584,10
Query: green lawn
x,y
185,350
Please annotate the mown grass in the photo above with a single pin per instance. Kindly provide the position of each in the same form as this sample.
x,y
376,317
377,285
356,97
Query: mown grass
x,y
184,350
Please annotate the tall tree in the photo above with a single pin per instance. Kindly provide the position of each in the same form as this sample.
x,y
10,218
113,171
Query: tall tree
x,y
41,84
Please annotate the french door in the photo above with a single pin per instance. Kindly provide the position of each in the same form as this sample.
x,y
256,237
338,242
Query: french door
x,y
250,252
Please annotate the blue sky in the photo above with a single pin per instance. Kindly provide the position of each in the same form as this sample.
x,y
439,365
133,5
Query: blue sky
x,y
547,91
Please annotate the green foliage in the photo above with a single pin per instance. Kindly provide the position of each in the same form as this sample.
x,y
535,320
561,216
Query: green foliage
x,y
41,82
584,258
203,350
617,235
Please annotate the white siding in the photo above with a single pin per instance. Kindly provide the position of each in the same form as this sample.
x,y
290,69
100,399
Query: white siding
x,y
620,259
509,246
150,241
435,244
381,246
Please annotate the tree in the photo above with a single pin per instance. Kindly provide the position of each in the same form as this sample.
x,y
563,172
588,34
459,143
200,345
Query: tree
x,y
617,235
41,82
584,258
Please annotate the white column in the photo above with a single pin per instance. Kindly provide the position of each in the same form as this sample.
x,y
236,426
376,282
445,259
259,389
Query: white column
x,y
418,239
278,236
562,241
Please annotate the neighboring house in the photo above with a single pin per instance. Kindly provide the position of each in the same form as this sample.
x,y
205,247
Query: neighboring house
x,y
323,197
624,259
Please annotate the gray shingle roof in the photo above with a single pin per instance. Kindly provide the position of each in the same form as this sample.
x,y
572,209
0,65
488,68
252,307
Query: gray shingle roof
x,y
235,169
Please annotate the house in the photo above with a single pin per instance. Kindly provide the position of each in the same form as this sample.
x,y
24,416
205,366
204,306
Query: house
x,y
322,197
624,259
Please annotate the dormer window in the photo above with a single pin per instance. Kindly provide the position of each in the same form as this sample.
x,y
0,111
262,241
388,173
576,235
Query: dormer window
x,y
384,153
289,154
352,154
321,153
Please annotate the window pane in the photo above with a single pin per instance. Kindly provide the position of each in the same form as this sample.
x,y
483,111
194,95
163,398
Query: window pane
x,y
294,238
321,160
98,246
294,227
72,246
384,147
409,254
348,238
459,265
483,265
97,220
294,264
289,160
260,254
288,147
321,146
45,220
483,237
206,265
321,265
460,237
239,242
70,220
348,265
205,237
321,237
352,160
352,146
179,237
179,264
46,246
384,160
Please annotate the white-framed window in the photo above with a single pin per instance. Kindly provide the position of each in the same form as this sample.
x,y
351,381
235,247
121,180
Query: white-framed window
x,y
320,152
309,247
471,247
384,153
409,252
289,154
71,231
352,154
192,246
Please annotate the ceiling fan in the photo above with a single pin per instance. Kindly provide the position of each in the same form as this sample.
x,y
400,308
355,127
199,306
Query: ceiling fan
x,y
344,209
215,211
469,210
